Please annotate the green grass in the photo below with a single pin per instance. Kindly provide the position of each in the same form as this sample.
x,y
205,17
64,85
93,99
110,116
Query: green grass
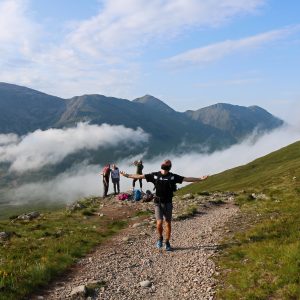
x,y
40,249
7,210
263,260
144,213
188,212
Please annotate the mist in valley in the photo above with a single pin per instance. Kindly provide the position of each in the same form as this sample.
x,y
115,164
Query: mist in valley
x,y
82,180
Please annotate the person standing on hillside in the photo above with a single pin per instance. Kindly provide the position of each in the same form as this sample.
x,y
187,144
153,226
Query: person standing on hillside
x,y
115,178
139,171
165,185
105,179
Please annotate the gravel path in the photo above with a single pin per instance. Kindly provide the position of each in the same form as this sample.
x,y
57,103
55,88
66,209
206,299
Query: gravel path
x,y
131,257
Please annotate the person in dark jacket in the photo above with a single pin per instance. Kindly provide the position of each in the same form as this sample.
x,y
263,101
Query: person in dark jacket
x,y
105,179
139,171
165,185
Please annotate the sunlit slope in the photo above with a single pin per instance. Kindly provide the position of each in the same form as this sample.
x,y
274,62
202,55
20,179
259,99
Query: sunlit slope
x,y
278,169
261,259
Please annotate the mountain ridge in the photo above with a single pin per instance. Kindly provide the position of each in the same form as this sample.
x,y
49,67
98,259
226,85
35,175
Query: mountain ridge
x,y
154,102
236,119
23,110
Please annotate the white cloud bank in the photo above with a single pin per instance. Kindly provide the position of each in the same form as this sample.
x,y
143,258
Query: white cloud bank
x,y
51,146
240,154
84,180
7,139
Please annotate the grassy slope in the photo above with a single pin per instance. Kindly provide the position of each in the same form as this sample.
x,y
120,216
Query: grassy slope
x,y
277,168
43,248
263,261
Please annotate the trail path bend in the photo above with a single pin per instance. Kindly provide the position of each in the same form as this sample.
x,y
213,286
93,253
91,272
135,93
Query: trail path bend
x,y
130,258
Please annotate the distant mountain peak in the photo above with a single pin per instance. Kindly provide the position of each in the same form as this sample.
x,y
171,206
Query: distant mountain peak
x,y
147,98
23,110
223,105
236,119
153,102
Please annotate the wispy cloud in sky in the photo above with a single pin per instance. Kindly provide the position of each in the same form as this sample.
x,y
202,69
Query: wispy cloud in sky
x,y
217,51
117,48
229,82
51,146
126,24
17,31
100,52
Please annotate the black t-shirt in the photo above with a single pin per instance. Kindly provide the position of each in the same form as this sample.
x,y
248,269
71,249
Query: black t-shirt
x,y
164,184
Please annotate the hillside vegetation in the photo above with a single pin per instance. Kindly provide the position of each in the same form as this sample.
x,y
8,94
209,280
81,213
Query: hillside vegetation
x,y
262,258
34,251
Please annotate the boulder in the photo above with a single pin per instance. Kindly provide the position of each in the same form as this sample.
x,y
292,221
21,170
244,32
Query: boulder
x,y
145,284
260,196
126,239
78,293
4,235
188,196
29,216
76,206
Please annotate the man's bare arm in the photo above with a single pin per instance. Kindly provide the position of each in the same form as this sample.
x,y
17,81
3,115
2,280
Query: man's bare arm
x,y
194,179
132,176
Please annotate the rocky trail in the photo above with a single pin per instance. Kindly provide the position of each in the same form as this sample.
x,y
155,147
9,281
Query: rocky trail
x,y
130,267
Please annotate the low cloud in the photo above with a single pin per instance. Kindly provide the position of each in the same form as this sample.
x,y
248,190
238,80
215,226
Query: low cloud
x,y
240,154
84,180
49,147
80,181
7,139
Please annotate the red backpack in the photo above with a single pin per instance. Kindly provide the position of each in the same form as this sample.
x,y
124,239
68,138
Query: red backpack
x,y
123,196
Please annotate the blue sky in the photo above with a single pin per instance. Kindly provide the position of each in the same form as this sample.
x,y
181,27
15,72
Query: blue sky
x,y
189,53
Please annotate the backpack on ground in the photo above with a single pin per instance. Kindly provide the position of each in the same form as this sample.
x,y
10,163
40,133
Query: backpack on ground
x,y
123,196
148,197
137,195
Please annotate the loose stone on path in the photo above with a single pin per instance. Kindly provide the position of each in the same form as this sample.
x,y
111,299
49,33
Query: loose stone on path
x,y
137,270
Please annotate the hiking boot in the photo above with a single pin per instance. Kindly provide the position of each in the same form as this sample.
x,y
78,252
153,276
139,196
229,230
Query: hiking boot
x,y
168,246
159,243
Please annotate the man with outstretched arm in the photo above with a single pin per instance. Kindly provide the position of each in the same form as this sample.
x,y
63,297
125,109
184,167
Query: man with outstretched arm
x,y
165,185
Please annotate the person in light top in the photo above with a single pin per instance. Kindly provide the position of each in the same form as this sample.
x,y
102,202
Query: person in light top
x,y
115,178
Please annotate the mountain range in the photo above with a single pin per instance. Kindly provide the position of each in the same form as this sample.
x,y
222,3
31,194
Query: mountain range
x,y
23,110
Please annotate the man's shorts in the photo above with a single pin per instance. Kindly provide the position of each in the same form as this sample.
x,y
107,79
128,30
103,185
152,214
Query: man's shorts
x,y
163,210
